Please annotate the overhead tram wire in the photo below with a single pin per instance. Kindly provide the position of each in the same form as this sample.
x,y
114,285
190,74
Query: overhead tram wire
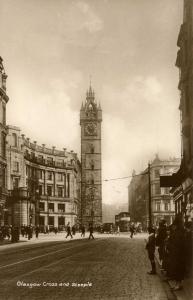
x,y
125,177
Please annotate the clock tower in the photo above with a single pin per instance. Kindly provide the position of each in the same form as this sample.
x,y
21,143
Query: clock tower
x,y
91,178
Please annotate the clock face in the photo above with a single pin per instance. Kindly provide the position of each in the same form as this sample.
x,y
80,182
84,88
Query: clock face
x,y
90,128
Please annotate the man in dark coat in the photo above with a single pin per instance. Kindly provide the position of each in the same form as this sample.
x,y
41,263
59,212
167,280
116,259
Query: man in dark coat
x,y
150,247
82,231
160,239
68,230
177,253
132,230
91,232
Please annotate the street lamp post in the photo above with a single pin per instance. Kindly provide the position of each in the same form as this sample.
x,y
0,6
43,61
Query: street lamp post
x,y
149,203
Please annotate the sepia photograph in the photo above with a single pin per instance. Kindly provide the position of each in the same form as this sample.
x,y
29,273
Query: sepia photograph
x,y
96,149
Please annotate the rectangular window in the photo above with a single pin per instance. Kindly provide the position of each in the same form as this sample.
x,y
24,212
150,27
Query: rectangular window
x,y
2,176
157,188
40,159
167,190
50,161
60,176
61,207
40,189
60,191
49,190
158,206
51,221
15,183
60,163
4,115
166,206
40,174
61,221
16,166
3,144
68,185
42,220
49,175
51,207
156,174
42,206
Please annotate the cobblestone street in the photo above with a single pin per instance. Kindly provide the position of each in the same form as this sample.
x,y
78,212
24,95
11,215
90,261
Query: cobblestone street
x,y
113,267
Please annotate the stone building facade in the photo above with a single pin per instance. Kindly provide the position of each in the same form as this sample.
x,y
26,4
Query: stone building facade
x,y
162,205
91,177
3,101
43,183
183,191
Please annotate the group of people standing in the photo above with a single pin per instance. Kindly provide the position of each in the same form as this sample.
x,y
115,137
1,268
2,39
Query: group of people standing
x,y
175,251
72,231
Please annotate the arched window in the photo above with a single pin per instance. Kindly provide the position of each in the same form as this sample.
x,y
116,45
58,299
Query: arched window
x,y
91,148
14,137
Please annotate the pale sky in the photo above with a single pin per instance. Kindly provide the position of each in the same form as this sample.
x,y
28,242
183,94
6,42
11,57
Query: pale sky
x,y
51,47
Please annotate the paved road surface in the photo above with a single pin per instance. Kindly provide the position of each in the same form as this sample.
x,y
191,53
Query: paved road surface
x,y
107,268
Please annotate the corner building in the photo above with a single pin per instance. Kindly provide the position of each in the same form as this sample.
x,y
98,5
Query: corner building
x,y
43,183
91,178
183,190
162,205
3,131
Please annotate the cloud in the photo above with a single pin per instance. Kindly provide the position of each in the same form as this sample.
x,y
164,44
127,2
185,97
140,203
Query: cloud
x,y
91,22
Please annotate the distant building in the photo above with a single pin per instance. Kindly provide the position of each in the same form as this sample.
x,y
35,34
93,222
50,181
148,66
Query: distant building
x,y
138,196
162,205
3,164
43,183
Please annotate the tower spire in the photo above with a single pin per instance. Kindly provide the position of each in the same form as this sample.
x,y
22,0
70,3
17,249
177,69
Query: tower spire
x,y
90,92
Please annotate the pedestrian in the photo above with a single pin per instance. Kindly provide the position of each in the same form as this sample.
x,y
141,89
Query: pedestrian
x,y
165,267
37,230
160,239
188,249
177,254
68,230
29,232
22,231
118,230
73,230
132,230
83,231
150,247
91,232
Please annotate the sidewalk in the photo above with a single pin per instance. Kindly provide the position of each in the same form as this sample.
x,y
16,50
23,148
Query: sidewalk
x,y
186,293
60,236
43,238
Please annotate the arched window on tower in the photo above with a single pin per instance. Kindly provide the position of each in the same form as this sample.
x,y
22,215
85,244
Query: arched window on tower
x,y
92,179
14,138
91,148
92,164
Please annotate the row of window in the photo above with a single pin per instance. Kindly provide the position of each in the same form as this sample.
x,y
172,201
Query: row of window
x,y
3,119
61,207
61,191
158,190
3,145
2,176
165,207
49,175
49,160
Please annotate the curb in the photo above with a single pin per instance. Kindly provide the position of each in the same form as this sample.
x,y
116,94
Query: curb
x,y
177,295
